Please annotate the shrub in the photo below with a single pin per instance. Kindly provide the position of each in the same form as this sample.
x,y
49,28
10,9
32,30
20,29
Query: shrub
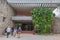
x,y
18,25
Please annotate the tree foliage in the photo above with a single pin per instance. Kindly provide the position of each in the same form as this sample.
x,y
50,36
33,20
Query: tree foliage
x,y
42,19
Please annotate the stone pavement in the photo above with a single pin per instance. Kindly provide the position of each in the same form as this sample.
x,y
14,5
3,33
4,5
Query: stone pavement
x,y
33,37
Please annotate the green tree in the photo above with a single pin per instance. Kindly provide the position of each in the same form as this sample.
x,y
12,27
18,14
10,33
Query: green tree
x,y
42,19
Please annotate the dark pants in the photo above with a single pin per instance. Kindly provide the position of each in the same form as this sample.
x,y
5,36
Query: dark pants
x,y
8,34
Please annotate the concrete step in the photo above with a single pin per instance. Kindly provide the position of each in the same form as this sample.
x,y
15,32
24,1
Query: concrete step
x,y
29,32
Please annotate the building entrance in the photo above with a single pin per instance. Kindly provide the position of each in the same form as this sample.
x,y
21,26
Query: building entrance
x,y
27,27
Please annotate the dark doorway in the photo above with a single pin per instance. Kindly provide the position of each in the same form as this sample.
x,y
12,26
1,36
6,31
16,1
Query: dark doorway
x,y
27,27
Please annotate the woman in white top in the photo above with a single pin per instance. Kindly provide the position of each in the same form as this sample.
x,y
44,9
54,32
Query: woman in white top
x,y
8,31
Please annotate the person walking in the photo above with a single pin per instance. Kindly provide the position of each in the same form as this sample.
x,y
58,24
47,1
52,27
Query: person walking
x,y
5,31
19,31
15,31
8,31
12,30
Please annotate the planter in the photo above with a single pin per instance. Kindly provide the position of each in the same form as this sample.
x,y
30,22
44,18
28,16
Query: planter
x,y
35,30
34,33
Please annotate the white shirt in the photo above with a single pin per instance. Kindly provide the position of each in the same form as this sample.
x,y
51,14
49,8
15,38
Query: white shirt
x,y
8,29
15,30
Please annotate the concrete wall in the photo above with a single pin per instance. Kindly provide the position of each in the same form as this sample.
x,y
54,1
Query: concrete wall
x,y
23,12
56,27
7,12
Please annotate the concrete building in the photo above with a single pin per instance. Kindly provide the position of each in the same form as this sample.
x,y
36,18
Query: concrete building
x,y
18,11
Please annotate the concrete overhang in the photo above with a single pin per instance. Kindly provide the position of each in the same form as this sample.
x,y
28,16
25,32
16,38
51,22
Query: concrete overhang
x,y
33,1
17,18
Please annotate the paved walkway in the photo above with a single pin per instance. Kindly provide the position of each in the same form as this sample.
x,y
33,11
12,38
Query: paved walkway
x,y
33,37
